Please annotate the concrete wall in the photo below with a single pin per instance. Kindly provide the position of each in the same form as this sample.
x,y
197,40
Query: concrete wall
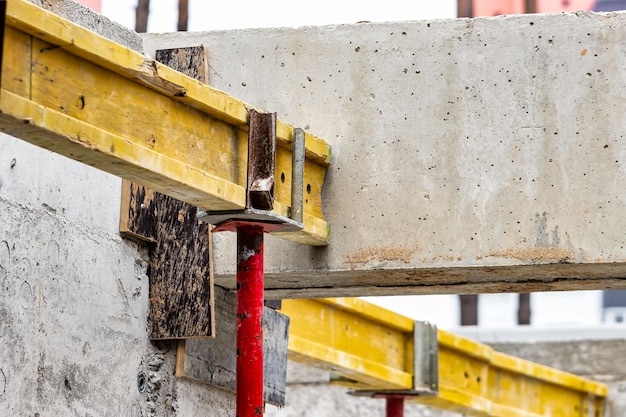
x,y
74,300
482,155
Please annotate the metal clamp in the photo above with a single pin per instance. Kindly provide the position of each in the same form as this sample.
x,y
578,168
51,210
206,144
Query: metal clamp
x,y
297,176
425,366
260,185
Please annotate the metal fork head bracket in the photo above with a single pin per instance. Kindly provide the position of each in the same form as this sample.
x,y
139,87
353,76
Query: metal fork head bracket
x,y
261,160
228,221
425,366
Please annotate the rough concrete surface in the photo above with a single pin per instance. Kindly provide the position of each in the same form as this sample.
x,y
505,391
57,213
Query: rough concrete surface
x,y
74,300
95,22
477,143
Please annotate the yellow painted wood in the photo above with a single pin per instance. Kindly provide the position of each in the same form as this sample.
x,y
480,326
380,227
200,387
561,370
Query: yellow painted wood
x,y
476,380
130,64
369,311
84,142
350,366
349,338
358,341
84,82
17,46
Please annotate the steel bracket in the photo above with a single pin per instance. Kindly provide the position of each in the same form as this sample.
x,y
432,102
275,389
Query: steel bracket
x,y
425,366
260,186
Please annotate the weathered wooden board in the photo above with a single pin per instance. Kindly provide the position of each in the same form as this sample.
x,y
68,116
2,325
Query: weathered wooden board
x,y
191,61
181,279
453,280
213,360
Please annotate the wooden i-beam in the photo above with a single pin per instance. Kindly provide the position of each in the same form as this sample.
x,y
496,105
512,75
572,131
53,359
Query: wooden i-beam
x,y
76,93
372,349
377,353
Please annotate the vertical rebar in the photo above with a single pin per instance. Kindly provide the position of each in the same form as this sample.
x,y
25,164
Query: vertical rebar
x,y
249,326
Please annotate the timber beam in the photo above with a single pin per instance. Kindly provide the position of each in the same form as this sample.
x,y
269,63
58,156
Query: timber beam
x,y
371,349
76,93
377,352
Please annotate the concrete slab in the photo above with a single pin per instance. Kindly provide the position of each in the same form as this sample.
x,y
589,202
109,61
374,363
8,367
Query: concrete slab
x,y
482,155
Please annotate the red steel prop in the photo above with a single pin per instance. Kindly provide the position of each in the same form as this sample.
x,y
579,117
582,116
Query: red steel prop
x,y
250,225
395,407
249,315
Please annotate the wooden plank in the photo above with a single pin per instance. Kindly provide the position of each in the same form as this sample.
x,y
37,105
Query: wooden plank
x,y
133,65
478,381
212,361
193,61
137,213
362,342
451,280
104,99
181,278
97,102
89,144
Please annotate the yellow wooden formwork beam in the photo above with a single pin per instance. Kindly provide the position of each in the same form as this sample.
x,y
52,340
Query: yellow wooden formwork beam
x,y
478,381
79,94
372,349
366,344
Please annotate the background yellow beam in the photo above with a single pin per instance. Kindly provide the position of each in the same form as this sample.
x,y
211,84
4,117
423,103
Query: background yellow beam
x,y
369,346
372,349
78,94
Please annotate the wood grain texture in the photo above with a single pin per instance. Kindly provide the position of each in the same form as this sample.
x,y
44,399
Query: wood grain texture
x,y
181,278
191,61
452,280
137,215
16,56
181,296
213,360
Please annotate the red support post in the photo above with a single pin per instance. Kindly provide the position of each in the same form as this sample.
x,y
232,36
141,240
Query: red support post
x,y
395,407
250,402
